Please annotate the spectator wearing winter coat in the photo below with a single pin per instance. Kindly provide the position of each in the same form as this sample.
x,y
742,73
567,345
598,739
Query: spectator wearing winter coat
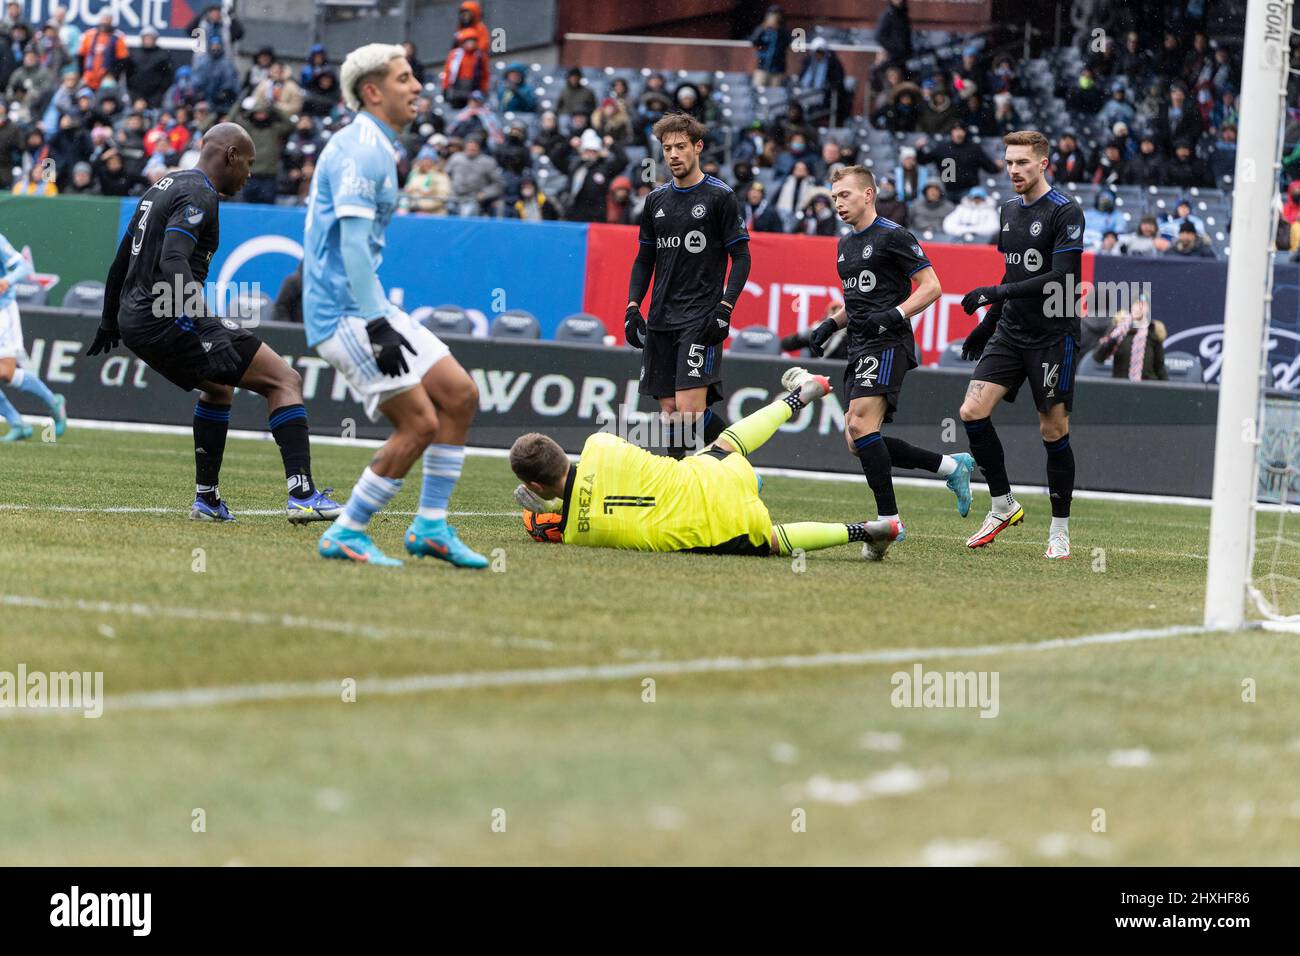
x,y
1103,217
514,96
102,53
963,156
1186,169
466,70
151,69
476,180
888,204
590,175
771,41
216,79
759,212
927,213
281,90
974,216
575,97
1190,244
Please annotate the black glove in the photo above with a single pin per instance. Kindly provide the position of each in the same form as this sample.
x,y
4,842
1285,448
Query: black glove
x,y
634,327
105,339
715,329
887,319
820,335
973,347
984,295
387,343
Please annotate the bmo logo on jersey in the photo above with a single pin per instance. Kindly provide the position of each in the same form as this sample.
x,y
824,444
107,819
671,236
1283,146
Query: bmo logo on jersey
x,y
1033,259
695,241
864,281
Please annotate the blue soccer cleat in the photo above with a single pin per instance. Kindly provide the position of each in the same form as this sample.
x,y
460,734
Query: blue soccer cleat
x,y
319,507
202,511
959,482
59,410
348,545
438,539
17,433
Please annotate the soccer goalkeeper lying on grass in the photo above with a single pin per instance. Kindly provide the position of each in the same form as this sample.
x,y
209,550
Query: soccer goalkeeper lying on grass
x,y
621,496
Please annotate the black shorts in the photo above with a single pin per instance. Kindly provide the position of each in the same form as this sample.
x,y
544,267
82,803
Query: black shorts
x,y
1049,369
878,370
673,362
199,350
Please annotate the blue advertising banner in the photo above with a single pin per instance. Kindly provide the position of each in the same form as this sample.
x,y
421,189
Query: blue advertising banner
x,y
169,17
1187,295
491,265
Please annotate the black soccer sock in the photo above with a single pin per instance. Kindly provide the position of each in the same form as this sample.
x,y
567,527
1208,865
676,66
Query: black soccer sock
x,y
673,439
987,450
903,455
289,426
714,425
1060,475
858,532
874,455
210,425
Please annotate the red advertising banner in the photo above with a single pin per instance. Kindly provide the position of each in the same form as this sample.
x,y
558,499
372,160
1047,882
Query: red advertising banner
x,y
792,279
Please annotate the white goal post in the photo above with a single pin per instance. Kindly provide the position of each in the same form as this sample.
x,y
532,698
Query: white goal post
x,y
1264,72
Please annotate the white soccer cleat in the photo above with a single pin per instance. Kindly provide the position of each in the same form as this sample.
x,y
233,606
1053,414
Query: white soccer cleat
x,y
994,524
805,384
1058,545
880,535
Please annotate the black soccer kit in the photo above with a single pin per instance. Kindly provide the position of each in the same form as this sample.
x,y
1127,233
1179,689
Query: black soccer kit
x,y
691,232
876,266
156,302
1037,337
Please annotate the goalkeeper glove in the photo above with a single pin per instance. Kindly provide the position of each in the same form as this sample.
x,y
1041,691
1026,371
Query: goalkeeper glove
x,y
984,295
820,335
387,343
529,500
634,327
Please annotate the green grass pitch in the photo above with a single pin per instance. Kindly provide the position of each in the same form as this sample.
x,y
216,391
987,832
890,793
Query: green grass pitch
x,y
1149,739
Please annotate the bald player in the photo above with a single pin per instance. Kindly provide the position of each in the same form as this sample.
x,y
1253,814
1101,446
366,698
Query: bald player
x,y
154,302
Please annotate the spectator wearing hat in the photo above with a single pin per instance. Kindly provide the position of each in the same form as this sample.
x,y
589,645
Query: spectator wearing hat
x,y
909,177
1189,244
532,205
1103,217
1117,109
469,20
963,156
282,91
822,71
1068,163
317,62
612,120
1182,213
1132,59
259,72
759,212
771,41
514,96
466,70
618,202
974,216
31,84
817,215
428,186
1144,169
1137,344
576,97
269,132
211,21
590,175
102,53
928,212
797,151
113,178
1110,167
476,180
322,97
151,69
938,115
216,79
182,92
83,181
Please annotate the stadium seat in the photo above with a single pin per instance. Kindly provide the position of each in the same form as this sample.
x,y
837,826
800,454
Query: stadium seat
x,y
516,324
87,295
30,293
951,356
448,320
1183,367
756,340
1089,367
581,327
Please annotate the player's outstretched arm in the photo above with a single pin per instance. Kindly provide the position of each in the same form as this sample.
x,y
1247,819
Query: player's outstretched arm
x,y
1066,263
643,267
107,336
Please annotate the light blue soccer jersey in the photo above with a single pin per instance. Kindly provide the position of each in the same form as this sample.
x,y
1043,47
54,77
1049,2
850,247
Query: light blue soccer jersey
x,y
12,267
355,176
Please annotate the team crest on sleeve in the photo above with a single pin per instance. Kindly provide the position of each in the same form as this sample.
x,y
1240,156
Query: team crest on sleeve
x,y
193,215
867,250
1074,231
1036,228
698,210
916,249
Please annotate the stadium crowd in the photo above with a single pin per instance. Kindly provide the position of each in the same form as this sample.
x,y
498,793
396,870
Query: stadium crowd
x,y
83,113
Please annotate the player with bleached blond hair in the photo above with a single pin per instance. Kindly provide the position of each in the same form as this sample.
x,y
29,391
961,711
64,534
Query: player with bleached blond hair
x,y
399,368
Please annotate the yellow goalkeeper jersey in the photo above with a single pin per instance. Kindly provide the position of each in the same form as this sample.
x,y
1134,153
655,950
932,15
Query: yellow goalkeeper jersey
x,y
621,496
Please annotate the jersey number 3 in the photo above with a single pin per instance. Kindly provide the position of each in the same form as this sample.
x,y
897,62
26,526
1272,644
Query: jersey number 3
x,y
138,239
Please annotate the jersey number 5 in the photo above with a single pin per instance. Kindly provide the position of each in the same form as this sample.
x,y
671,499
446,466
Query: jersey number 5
x,y
138,239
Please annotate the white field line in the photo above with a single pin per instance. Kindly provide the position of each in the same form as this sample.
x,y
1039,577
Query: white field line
x,y
238,512
151,429
261,618
197,697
